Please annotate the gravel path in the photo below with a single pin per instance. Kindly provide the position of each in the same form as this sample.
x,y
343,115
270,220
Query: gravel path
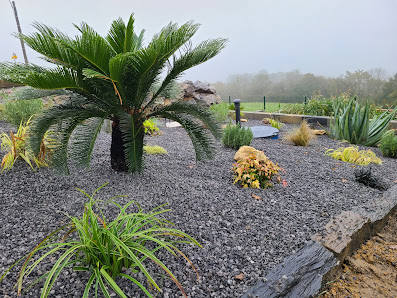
x,y
239,234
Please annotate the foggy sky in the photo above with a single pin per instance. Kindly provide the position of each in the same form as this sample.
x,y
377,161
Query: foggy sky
x,y
314,36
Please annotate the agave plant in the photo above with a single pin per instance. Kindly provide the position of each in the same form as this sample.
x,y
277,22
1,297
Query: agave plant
x,y
351,122
115,77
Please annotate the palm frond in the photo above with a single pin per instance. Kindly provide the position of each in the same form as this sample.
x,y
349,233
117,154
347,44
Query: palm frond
x,y
75,108
59,158
200,112
133,137
50,43
200,54
17,72
202,140
84,140
92,47
122,38
135,73
56,78
138,41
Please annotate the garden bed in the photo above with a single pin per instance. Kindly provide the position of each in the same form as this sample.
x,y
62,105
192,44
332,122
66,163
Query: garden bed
x,y
239,233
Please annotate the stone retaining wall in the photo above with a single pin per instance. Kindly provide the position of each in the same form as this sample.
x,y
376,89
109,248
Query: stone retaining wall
x,y
296,119
303,273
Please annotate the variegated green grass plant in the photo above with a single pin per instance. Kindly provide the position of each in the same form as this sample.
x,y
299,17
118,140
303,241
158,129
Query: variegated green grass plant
x,y
351,122
16,148
276,124
353,155
107,249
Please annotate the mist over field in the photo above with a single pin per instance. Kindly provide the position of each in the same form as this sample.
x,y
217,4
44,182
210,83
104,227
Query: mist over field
x,y
283,49
374,84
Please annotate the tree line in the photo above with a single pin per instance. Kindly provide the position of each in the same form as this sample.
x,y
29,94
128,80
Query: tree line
x,y
293,86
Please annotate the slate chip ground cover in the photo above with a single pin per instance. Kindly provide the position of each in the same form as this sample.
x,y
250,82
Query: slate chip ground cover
x,y
239,233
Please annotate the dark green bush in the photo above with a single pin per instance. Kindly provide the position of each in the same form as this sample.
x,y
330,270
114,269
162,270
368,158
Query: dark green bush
x,y
388,144
235,136
17,111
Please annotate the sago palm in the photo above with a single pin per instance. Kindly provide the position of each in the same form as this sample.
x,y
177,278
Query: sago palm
x,y
114,78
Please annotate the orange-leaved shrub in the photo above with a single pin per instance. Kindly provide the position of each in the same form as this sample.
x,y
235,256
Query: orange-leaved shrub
x,y
256,173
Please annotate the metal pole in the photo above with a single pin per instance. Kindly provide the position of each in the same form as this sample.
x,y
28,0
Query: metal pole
x,y
229,101
305,100
19,31
264,103
237,109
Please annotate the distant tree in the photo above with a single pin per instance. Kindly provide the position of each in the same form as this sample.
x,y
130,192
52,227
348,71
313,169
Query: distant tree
x,y
259,86
363,84
389,90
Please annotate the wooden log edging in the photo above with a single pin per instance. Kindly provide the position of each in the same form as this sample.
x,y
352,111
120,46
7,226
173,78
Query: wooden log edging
x,y
303,273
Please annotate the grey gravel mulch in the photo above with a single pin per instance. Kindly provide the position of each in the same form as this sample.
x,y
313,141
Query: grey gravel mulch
x,y
239,233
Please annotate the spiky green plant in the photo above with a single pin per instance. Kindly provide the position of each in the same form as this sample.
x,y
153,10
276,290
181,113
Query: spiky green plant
x,y
114,76
107,249
351,122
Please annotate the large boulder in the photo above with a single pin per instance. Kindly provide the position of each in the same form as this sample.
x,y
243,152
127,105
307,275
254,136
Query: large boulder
x,y
199,92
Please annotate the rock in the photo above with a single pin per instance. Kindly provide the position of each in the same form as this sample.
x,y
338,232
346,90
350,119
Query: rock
x,y
188,88
300,275
245,151
266,120
243,120
199,92
319,131
340,231
345,234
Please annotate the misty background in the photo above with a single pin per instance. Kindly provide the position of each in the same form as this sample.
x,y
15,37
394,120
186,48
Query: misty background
x,y
285,49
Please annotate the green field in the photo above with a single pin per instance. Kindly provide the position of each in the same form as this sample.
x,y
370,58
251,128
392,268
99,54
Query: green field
x,y
271,107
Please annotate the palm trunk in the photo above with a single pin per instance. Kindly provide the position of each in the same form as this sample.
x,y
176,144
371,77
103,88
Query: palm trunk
x,y
117,155
135,148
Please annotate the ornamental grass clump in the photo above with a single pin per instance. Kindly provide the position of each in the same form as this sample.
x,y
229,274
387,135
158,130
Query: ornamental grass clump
x,y
388,144
302,135
256,173
351,122
16,148
353,155
107,249
235,136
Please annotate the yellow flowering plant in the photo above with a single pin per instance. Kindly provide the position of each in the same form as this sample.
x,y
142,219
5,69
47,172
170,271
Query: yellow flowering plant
x,y
256,173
